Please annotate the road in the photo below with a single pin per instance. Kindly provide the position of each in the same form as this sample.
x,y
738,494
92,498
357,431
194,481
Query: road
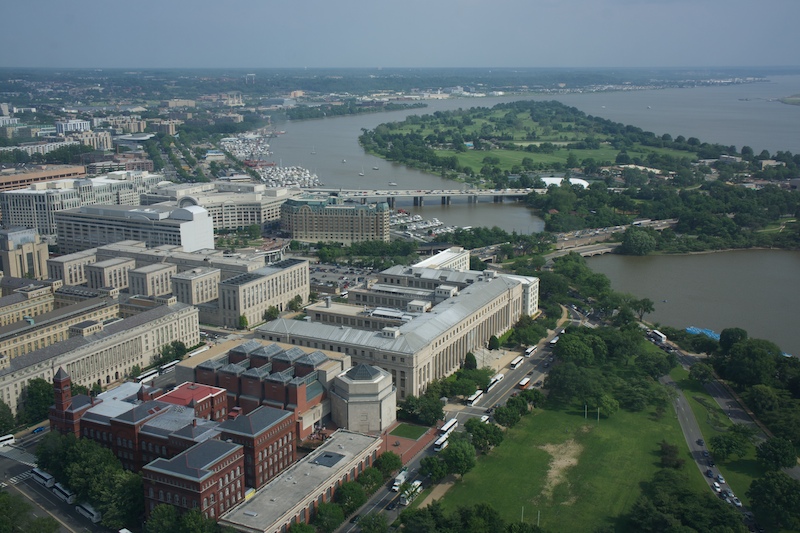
x,y
535,367
16,463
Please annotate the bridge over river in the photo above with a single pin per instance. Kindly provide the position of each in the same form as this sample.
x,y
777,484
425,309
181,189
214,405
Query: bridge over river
x,y
419,196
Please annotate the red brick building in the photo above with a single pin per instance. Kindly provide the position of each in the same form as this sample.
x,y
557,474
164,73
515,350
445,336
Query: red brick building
x,y
268,438
209,476
208,402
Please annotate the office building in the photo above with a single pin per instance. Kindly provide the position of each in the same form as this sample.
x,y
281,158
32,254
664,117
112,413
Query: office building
x,y
36,206
91,226
232,205
109,273
102,356
467,309
71,268
328,219
152,280
23,254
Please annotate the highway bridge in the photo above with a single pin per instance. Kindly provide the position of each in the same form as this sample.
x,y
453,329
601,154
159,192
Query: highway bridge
x,y
420,196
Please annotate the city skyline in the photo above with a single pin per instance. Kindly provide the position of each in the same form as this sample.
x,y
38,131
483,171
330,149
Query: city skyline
x,y
361,34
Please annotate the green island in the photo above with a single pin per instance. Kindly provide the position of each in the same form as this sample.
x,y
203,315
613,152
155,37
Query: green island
x,y
791,100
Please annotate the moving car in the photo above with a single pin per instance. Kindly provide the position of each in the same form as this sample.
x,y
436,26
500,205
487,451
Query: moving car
x,y
716,487
701,442
709,473
720,478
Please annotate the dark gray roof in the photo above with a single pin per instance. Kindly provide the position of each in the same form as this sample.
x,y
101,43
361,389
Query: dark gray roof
x,y
363,372
247,347
61,374
54,317
74,343
328,459
213,364
291,355
284,376
143,411
312,359
268,351
234,368
12,299
255,422
196,462
260,372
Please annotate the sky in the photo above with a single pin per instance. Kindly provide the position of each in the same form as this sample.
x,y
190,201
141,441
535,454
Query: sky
x,y
409,33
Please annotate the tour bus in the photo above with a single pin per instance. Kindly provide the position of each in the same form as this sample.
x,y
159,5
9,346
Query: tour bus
x,y
554,341
163,369
43,478
7,440
497,378
525,383
147,377
516,362
530,351
472,400
63,493
448,427
441,443
197,351
89,512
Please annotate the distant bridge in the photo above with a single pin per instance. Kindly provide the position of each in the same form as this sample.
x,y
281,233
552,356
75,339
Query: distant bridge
x,y
419,196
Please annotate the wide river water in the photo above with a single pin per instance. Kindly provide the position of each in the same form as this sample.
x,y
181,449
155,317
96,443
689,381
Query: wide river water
x,y
755,290
745,114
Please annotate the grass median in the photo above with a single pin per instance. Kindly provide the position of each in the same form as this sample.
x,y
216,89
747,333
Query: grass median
x,y
572,473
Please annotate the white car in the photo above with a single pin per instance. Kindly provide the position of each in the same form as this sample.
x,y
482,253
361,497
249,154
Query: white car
x,y
716,487
737,502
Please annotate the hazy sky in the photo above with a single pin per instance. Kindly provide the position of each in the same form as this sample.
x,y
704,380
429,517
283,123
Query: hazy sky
x,y
408,33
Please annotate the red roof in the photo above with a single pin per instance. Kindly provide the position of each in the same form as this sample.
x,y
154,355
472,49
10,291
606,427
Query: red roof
x,y
189,394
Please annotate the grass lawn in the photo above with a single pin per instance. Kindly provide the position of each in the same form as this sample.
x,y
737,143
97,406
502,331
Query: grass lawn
x,y
409,431
739,473
595,474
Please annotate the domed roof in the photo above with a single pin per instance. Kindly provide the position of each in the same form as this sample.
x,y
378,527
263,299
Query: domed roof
x,y
363,372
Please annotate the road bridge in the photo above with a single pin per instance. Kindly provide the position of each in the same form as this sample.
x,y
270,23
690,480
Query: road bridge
x,y
420,196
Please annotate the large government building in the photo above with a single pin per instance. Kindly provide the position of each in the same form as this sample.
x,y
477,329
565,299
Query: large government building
x,y
327,219
437,316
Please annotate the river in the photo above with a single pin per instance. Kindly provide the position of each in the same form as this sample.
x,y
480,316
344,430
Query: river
x,y
755,290
736,114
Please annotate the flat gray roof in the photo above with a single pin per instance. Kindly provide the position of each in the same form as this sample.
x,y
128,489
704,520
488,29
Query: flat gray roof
x,y
305,479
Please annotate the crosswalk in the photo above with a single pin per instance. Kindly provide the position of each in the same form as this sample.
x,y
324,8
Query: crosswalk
x,y
18,455
16,479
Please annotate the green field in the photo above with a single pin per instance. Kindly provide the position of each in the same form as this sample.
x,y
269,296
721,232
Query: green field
x,y
409,431
739,473
595,475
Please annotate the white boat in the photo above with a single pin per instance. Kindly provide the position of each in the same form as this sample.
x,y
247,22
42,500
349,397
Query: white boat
x,y
344,160
374,168
392,184
362,172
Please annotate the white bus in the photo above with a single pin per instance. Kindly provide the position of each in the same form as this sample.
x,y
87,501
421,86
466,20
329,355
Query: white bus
x,y
43,478
7,440
516,362
441,443
63,493
530,351
89,512
147,377
472,400
198,351
497,378
163,369
525,383
448,427
554,341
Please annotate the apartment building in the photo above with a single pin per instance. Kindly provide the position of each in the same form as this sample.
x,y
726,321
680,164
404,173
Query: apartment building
x,y
328,219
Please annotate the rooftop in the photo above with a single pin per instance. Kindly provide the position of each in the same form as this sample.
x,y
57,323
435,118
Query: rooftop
x,y
304,479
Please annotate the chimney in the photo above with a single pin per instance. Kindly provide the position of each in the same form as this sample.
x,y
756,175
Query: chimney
x,y
194,422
